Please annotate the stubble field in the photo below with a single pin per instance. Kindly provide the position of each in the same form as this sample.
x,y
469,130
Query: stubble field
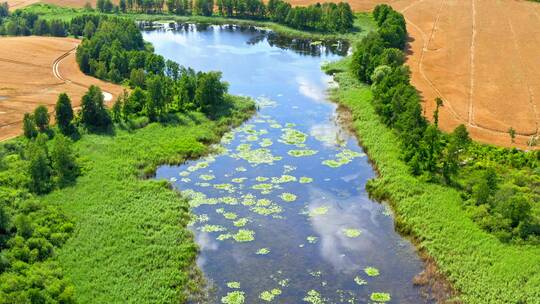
x,y
34,71
481,57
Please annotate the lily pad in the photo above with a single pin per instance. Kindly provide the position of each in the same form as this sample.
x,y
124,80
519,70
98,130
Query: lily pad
x,y
293,137
312,239
207,177
352,233
303,152
235,297
230,215
288,197
212,228
380,297
238,180
313,297
283,179
244,235
270,295
263,251
233,284
241,222
371,271
224,236
322,210
305,180
266,142
358,280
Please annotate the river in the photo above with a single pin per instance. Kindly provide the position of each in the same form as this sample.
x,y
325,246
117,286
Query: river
x,y
281,211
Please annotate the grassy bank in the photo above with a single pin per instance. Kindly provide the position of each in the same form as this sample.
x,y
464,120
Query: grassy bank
x,y
363,22
480,267
131,243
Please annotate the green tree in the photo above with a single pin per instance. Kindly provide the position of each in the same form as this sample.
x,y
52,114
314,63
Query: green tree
x,y
39,168
210,92
512,134
29,126
63,161
438,104
41,117
94,115
64,114
89,29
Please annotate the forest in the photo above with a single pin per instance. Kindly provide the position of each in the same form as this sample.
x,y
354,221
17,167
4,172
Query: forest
x,y
501,200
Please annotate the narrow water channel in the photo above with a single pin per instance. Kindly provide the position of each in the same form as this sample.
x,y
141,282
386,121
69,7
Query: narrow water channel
x,y
282,214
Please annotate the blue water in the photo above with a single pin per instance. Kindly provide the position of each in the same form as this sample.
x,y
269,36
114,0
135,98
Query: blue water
x,y
318,246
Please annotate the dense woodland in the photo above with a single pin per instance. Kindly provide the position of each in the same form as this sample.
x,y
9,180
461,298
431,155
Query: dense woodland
x,y
497,189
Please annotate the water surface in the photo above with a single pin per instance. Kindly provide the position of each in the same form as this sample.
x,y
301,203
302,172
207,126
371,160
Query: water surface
x,y
282,213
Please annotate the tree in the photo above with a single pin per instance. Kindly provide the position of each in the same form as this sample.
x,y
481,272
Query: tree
x,y
94,116
41,117
89,29
39,169
512,134
4,10
438,104
122,5
210,91
63,161
137,78
29,126
64,114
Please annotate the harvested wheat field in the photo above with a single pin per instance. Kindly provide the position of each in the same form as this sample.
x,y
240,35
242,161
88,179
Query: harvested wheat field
x,y
34,71
481,57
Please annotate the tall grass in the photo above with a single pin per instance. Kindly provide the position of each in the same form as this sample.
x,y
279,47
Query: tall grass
x,y
481,268
131,244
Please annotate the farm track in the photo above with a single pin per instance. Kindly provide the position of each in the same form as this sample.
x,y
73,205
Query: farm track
x,y
62,80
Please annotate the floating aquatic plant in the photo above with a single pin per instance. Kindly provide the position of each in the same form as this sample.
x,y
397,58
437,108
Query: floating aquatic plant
x,y
238,180
226,187
185,179
241,222
352,233
184,173
371,271
283,282
322,210
207,177
380,297
313,297
270,295
293,137
197,166
224,236
266,142
256,156
275,126
270,210
316,274
212,228
235,297
288,168
312,239
234,285
265,102
229,200
263,251
358,280
283,179
252,137
305,180
288,197
303,152
261,178
244,235
230,215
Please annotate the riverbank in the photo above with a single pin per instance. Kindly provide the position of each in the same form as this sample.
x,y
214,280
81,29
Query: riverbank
x,y
131,242
479,266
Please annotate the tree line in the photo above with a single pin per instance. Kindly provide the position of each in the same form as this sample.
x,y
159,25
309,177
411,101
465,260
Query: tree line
x,y
435,156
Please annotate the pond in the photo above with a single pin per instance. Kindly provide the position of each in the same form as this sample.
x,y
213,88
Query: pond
x,y
281,212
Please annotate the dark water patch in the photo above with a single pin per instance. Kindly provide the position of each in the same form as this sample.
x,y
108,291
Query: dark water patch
x,y
281,213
